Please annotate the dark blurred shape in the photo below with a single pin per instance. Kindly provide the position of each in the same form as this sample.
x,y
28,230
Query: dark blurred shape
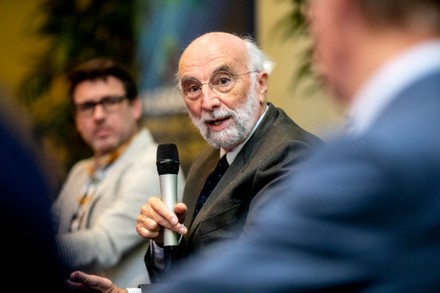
x,y
28,247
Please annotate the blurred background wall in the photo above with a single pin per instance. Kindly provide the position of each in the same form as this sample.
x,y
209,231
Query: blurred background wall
x,y
16,41
304,101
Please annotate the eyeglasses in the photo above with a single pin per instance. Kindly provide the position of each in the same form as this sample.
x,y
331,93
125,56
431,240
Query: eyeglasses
x,y
110,104
220,83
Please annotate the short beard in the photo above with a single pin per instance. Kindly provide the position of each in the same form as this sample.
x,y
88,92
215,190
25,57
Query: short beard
x,y
243,121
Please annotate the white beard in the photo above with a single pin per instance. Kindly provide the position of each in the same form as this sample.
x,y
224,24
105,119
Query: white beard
x,y
243,118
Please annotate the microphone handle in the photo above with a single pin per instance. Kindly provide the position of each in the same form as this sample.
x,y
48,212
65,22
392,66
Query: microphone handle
x,y
168,187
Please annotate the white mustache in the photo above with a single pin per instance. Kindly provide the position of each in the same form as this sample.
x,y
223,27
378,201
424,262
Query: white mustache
x,y
216,114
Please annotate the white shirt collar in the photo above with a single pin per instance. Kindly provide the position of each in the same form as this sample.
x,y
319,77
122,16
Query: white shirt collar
x,y
383,87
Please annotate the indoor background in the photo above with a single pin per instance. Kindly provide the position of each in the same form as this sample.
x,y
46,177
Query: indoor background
x,y
304,101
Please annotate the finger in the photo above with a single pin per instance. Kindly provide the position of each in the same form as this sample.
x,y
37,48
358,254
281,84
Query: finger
x,y
161,210
180,211
156,210
77,287
90,282
151,220
155,228
147,228
180,208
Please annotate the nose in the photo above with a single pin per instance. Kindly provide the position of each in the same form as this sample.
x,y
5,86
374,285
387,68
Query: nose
x,y
210,98
98,111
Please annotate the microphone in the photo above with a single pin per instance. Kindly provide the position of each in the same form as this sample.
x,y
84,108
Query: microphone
x,y
167,162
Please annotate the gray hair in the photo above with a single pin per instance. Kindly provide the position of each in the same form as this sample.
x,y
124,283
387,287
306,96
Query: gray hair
x,y
258,60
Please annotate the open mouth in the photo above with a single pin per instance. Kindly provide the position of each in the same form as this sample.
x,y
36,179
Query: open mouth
x,y
218,121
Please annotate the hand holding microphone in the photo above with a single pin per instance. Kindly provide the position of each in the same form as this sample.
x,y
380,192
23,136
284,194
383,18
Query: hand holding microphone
x,y
167,162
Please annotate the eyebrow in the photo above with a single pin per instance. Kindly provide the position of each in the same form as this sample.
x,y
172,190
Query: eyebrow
x,y
226,68
100,99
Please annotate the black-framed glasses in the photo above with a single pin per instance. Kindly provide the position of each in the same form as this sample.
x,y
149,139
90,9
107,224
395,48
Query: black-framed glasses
x,y
110,104
221,82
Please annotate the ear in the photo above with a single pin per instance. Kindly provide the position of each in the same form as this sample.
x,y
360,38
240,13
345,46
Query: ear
x,y
136,108
262,80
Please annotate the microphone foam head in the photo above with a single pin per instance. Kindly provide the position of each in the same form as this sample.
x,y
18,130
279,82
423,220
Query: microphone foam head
x,y
167,159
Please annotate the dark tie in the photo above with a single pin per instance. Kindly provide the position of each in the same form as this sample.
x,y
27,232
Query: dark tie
x,y
211,182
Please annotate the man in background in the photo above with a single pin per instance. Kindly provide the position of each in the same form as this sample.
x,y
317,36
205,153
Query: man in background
x,y
96,211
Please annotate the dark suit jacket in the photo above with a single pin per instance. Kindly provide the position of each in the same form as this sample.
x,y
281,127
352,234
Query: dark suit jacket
x,y
262,162
363,215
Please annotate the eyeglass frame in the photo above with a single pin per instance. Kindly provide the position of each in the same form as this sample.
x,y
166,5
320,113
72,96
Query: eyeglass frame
x,y
115,99
210,83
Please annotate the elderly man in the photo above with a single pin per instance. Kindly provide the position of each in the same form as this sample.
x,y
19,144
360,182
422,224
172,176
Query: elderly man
x,y
362,215
224,81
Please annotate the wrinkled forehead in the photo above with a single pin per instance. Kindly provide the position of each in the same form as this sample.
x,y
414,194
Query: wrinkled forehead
x,y
207,55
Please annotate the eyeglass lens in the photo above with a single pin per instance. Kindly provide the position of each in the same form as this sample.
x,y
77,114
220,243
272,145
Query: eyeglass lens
x,y
221,82
110,104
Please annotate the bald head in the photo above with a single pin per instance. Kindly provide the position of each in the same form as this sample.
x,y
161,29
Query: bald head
x,y
214,48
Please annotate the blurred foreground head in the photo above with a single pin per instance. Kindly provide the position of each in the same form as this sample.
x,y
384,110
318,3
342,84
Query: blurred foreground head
x,y
353,38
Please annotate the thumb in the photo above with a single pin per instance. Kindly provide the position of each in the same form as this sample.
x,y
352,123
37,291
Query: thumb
x,y
92,282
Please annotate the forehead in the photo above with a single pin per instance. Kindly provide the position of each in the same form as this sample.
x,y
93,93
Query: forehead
x,y
207,55
96,88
